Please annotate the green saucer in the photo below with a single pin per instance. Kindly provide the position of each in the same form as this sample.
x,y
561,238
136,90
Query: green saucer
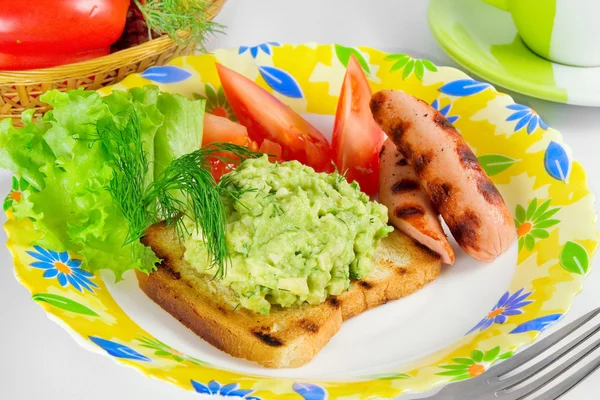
x,y
484,40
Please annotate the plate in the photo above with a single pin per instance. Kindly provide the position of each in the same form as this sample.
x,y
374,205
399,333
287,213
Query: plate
x,y
484,40
476,314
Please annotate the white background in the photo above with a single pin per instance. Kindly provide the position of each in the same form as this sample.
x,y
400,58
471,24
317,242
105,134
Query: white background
x,y
38,360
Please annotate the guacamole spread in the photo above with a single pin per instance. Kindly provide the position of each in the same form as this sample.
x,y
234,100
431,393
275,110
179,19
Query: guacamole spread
x,y
295,236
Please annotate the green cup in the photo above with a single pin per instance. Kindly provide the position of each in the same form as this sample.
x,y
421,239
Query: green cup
x,y
563,31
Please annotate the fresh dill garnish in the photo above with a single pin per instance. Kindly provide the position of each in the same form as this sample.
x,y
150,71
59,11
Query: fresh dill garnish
x,y
339,174
127,186
232,155
245,249
174,17
269,197
187,189
184,190
277,210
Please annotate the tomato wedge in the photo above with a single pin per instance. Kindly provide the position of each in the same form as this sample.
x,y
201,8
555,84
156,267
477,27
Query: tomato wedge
x,y
272,149
357,139
219,129
266,117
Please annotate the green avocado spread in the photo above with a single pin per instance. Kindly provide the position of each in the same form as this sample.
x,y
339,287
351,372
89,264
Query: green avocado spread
x,y
295,236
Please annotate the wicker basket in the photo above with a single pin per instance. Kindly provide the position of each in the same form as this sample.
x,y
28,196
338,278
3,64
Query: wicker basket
x,y
20,90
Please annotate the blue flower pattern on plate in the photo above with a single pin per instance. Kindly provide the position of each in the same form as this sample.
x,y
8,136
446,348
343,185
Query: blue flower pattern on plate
x,y
119,350
525,117
281,81
254,50
537,324
557,161
445,111
464,87
507,305
214,388
310,391
62,267
166,74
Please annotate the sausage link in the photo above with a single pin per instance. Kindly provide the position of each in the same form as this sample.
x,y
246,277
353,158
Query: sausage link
x,y
450,173
409,207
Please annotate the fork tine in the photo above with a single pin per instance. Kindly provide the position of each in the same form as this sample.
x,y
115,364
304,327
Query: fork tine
x,y
543,380
542,345
543,364
571,381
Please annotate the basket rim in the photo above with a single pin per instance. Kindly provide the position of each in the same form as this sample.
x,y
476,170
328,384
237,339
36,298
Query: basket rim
x,y
68,71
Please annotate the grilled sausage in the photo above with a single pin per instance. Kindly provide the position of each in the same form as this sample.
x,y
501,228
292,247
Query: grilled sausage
x,y
449,172
409,207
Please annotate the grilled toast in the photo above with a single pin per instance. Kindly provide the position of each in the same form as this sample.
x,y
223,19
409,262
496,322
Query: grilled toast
x,y
287,337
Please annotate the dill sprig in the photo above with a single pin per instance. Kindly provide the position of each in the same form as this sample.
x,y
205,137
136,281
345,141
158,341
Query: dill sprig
x,y
172,17
127,186
185,189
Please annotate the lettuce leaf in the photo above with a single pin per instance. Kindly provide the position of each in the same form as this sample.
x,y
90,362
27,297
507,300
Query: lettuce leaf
x,y
57,155
181,132
25,153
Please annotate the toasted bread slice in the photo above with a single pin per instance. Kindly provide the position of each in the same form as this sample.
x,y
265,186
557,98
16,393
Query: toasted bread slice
x,y
288,337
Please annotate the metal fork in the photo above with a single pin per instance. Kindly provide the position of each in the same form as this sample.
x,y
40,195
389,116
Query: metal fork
x,y
494,384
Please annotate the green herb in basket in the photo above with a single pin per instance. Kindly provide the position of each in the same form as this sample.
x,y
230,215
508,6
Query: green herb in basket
x,y
176,17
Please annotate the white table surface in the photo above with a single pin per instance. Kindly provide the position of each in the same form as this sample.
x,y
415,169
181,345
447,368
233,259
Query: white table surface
x,y
38,360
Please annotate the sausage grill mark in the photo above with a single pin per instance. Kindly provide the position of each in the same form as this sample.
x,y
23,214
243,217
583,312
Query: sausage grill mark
x,y
398,131
442,122
406,150
465,229
489,191
447,127
439,193
409,211
421,162
402,162
376,101
466,157
382,151
405,185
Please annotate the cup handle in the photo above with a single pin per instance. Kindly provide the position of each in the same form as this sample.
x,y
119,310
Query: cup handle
x,y
501,4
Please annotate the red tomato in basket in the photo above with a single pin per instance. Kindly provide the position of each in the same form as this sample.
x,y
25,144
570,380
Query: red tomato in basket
x,y
267,118
46,33
357,139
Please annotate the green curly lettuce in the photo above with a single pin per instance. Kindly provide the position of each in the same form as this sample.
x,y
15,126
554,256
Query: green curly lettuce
x,y
71,208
